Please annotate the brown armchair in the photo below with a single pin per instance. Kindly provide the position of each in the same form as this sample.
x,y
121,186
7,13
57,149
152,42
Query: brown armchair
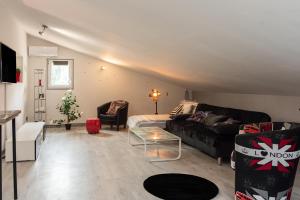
x,y
120,118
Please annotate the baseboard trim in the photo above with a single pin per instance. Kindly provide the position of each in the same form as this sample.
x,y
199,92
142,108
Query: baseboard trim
x,y
62,125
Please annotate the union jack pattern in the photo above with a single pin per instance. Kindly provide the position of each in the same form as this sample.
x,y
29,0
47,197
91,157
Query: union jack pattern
x,y
266,164
267,155
257,194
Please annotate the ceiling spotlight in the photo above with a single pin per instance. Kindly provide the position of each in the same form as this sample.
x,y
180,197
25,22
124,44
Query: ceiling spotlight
x,y
44,27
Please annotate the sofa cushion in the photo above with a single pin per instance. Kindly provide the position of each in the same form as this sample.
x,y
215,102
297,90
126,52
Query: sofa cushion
x,y
211,119
198,116
228,129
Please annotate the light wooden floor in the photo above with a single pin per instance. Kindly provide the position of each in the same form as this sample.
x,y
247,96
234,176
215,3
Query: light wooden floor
x,y
78,166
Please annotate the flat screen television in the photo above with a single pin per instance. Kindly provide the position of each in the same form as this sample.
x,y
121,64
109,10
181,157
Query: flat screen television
x,y
8,64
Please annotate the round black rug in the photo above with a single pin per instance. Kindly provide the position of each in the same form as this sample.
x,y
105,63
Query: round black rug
x,y
180,186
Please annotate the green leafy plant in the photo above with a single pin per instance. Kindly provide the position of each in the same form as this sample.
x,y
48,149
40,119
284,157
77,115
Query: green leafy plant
x,y
18,70
69,108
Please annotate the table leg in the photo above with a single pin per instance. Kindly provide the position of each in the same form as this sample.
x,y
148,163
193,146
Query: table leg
x,y
170,159
14,158
129,136
1,163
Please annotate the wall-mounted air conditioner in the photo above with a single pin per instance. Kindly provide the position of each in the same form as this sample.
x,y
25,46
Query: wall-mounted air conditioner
x,y
43,51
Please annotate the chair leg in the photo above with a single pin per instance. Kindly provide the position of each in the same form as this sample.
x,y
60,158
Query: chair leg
x,y
111,126
124,125
118,127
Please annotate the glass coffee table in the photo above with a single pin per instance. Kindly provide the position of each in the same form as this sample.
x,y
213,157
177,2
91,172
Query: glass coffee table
x,y
154,136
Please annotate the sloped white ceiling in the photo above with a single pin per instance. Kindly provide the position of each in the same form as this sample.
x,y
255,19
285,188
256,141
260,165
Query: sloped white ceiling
x,y
250,46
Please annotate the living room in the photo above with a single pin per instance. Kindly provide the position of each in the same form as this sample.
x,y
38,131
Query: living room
x,y
149,100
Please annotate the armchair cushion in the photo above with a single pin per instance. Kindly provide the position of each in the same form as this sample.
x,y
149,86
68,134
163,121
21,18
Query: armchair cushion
x,y
114,107
112,117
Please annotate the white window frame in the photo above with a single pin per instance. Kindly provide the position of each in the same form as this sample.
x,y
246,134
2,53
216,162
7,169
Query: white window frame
x,y
71,75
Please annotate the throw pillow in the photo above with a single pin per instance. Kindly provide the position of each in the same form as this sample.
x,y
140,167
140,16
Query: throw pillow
x,y
114,106
211,119
189,106
198,116
188,109
249,128
176,110
266,126
227,122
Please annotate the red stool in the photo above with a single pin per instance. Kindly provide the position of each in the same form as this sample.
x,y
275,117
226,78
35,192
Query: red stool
x,y
93,125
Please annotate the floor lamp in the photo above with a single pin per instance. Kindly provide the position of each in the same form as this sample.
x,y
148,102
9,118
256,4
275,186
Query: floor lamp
x,y
154,94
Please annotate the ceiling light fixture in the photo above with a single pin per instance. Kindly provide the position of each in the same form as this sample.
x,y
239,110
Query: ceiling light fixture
x,y
44,27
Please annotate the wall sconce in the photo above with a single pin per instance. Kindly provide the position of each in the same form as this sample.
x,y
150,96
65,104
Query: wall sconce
x,y
102,68
154,94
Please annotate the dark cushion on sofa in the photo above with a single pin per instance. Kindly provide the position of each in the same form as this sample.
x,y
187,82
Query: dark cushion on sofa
x,y
229,129
211,119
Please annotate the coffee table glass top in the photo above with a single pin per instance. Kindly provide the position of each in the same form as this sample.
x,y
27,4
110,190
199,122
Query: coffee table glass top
x,y
153,134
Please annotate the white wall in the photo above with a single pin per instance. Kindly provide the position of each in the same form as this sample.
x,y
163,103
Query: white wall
x,y
94,87
14,36
280,108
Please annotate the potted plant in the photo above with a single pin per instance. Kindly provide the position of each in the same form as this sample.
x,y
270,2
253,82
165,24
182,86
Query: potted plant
x,y
69,108
18,75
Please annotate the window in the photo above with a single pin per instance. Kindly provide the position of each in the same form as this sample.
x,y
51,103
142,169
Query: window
x,y
60,74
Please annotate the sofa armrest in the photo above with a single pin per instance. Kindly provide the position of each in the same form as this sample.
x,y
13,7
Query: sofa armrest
x,y
228,129
122,113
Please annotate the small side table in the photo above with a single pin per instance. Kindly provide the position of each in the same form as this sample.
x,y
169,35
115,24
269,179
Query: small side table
x,y
93,125
6,116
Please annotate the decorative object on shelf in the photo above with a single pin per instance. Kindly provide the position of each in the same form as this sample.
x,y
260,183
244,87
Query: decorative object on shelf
x,y
18,75
69,108
39,95
154,94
